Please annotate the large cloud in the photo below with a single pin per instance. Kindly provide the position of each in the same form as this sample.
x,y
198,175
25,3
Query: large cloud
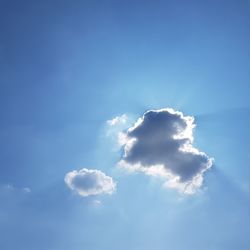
x,y
88,182
160,144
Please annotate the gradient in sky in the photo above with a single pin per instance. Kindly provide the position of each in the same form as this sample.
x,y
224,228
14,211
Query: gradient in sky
x,y
68,67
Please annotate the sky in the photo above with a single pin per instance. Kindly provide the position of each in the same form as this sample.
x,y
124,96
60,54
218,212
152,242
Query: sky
x,y
124,125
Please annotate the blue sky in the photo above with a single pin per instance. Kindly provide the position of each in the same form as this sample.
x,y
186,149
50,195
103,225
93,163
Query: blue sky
x,y
66,67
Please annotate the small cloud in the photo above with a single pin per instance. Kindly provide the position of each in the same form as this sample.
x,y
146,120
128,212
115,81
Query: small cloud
x,y
9,188
118,120
97,202
26,190
115,128
160,144
87,182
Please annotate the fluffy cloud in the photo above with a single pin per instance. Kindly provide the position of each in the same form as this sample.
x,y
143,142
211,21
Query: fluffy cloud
x,y
88,182
160,144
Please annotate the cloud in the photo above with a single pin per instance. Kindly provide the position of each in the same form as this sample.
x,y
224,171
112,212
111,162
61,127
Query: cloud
x,y
26,190
160,144
11,189
8,187
114,128
118,120
88,182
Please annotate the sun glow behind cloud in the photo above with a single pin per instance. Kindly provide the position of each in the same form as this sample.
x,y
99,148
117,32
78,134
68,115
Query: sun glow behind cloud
x,y
160,144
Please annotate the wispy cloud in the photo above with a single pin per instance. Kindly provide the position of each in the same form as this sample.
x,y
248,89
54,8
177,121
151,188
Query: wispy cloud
x,y
115,128
12,188
118,120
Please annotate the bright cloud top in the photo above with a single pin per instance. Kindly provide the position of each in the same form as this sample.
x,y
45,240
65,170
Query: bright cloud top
x,y
88,182
160,144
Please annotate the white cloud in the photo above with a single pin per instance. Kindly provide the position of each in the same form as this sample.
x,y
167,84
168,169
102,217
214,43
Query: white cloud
x,y
26,190
118,120
13,189
88,182
115,128
121,138
160,144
